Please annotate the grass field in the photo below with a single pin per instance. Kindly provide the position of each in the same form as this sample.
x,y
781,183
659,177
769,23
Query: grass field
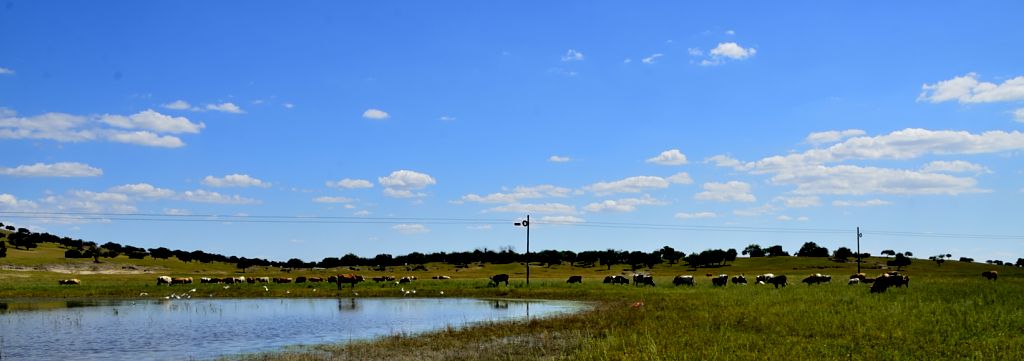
x,y
948,312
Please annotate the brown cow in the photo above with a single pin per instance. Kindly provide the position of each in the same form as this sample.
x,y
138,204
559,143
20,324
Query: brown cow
x,y
181,280
349,278
316,279
282,280
300,279
990,275
73,281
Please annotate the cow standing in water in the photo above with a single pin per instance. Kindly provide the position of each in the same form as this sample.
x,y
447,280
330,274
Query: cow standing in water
x,y
499,278
349,279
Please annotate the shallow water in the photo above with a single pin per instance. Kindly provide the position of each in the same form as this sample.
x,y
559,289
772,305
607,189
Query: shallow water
x,y
204,329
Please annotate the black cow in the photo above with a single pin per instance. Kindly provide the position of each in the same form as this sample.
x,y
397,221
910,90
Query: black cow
x,y
885,281
683,280
721,280
616,280
990,275
499,278
777,281
643,280
817,278
574,279
739,280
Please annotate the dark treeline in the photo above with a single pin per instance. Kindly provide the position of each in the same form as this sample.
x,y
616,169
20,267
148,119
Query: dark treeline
x,y
21,238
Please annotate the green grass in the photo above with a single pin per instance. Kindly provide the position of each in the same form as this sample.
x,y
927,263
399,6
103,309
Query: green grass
x,y
948,312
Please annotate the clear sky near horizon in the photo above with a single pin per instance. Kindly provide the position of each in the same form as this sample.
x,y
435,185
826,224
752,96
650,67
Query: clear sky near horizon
x,y
314,129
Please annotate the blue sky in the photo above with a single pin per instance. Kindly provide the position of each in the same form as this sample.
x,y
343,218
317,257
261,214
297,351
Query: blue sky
x,y
721,124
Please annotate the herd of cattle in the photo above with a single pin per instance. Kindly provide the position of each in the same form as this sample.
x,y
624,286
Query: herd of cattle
x,y
878,284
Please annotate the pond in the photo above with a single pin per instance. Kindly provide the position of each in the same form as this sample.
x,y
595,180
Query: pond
x,y
208,328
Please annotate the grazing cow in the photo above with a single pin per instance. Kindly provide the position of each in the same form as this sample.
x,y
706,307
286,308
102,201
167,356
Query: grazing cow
x,y
73,281
616,280
574,279
643,280
282,280
300,279
499,278
237,279
853,281
263,279
250,280
860,276
739,280
316,279
181,280
332,279
349,278
442,277
683,280
379,279
817,278
721,280
885,281
406,279
777,281
763,278
990,275
163,280
205,280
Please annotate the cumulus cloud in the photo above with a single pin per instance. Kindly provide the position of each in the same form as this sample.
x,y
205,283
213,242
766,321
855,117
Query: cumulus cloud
x,y
375,114
177,105
967,89
6,71
680,178
621,205
410,228
402,193
1018,115
867,203
225,107
669,157
558,159
695,215
733,51
628,185
695,52
562,219
572,55
350,183
832,136
519,193
722,160
12,203
234,180
401,183
204,196
64,127
857,180
326,199
144,190
800,202
732,191
550,208
956,166
651,59
62,169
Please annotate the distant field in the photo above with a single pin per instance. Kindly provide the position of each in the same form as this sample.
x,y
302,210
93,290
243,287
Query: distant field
x,y
948,312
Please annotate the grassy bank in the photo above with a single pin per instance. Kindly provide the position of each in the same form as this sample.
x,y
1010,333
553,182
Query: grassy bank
x,y
948,312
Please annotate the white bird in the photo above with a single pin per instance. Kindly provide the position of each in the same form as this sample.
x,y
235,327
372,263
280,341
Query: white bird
x,y
414,292
287,292
226,287
442,293
266,289
167,297
403,289
355,293
407,293
192,290
314,290
143,294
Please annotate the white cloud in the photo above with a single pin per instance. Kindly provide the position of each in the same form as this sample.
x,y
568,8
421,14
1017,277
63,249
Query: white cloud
x,y
784,218
669,157
6,71
730,32
410,228
176,212
148,139
628,185
100,196
800,202
554,208
967,89
152,120
956,166
680,178
203,196
832,136
144,190
326,199
572,55
867,203
401,183
627,61
10,202
856,180
350,183
802,219
235,180
651,59
558,159
1018,115
375,114
288,105
362,213
177,105
64,127
447,118
756,211
621,205
695,215
733,51
562,219
402,193
62,169
225,107
732,191
722,160
695,52
519,193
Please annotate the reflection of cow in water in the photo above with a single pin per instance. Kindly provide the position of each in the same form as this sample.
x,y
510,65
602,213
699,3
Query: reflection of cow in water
x,y
500,304
347,305
499,278
349,278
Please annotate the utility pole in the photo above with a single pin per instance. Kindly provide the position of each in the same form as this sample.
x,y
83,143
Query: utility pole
x,y
858,249
526,224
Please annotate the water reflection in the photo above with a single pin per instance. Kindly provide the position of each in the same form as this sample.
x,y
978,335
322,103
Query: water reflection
x,y
133,330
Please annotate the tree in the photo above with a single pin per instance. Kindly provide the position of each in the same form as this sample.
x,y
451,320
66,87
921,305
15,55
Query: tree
x,y
671,254
383,260
1020,262
888,252
966,259
775,251
753,250
900,261
908,254
160,253
730,255
811,249
842,254
3,249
